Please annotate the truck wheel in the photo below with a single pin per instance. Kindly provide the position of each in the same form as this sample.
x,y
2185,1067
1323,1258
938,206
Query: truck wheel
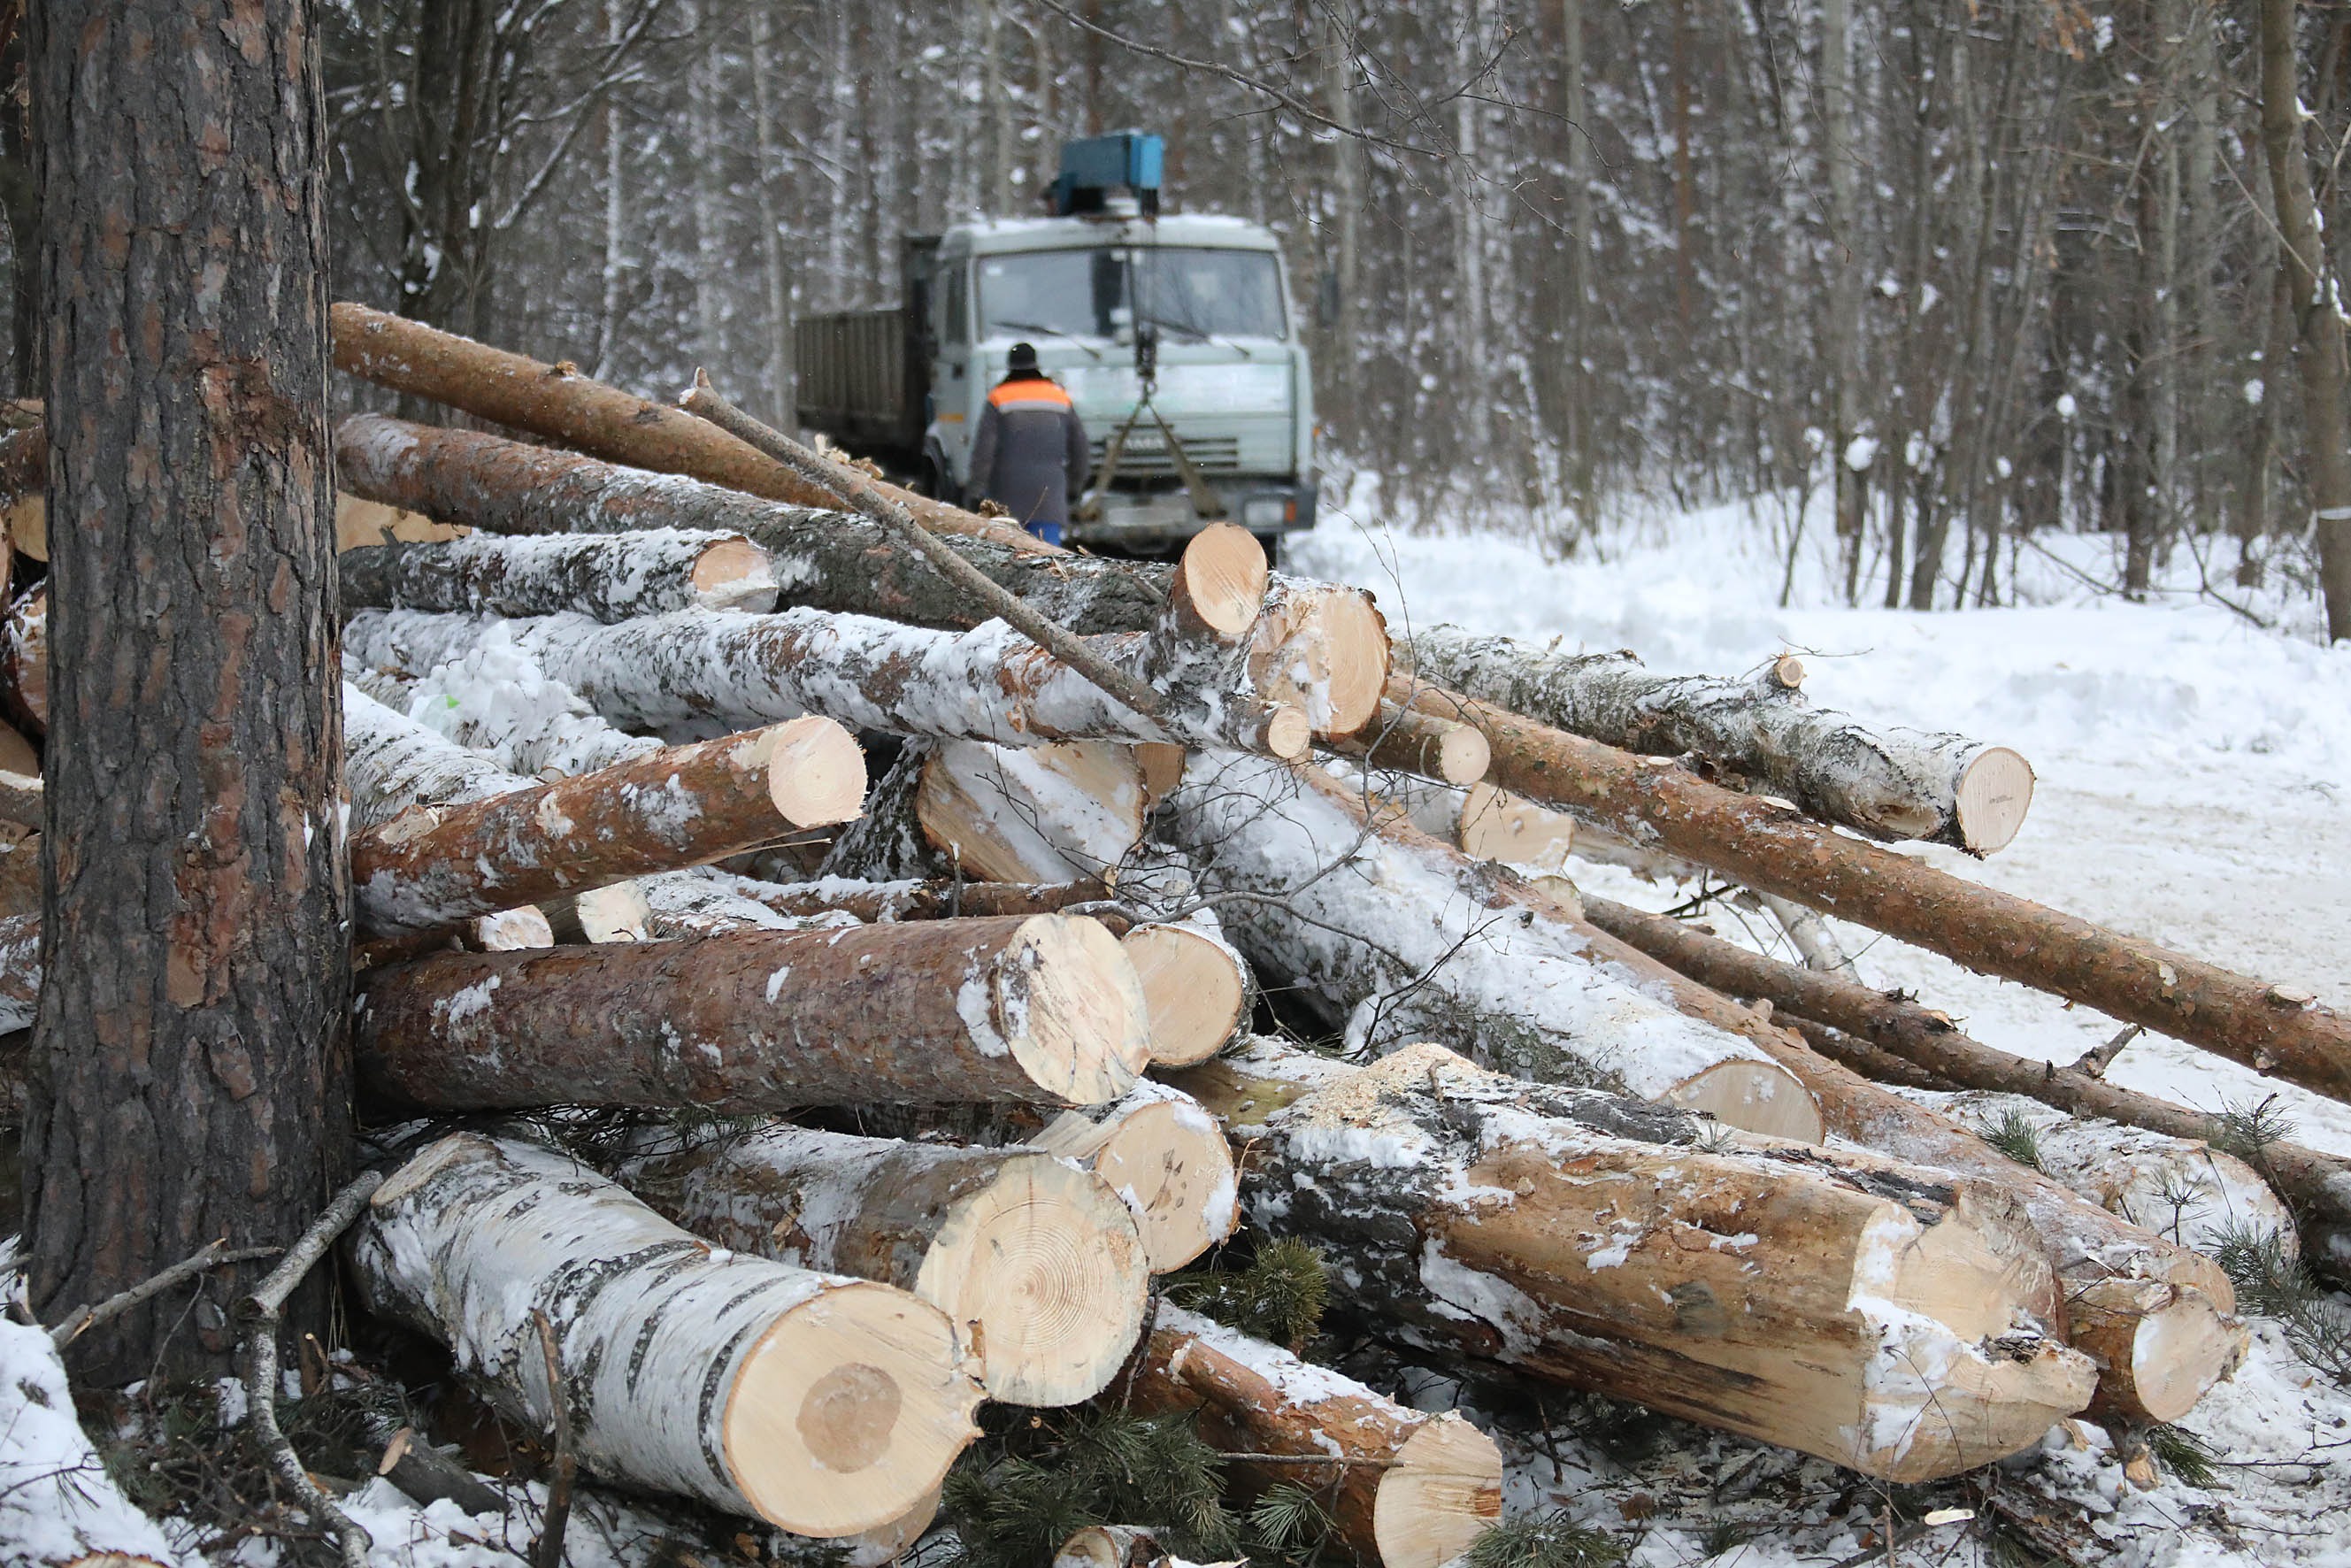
x,y
1272,543
934,482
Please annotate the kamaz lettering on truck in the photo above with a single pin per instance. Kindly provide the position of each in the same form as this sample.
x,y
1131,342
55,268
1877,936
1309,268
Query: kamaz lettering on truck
x,y
1175,335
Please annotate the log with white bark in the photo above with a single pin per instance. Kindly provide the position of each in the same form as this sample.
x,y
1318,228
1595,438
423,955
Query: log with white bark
x,y
1318,647
1860,1021
875,1548
1122,1546
1889,784
937,898
1409,939
1042,813
611,577
1419,743
1405,1489
1035,1261
24,660
696,670
432,866
494,698
707,902
20,970
393,764
1041,1011
2274,1029
1880,1316
59,1504
823,1405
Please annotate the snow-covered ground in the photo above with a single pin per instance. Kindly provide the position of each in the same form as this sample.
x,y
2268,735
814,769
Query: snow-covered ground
x,y
2192,789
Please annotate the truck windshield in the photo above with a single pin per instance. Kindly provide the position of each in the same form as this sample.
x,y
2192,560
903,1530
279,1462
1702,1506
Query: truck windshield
x,y
1194,292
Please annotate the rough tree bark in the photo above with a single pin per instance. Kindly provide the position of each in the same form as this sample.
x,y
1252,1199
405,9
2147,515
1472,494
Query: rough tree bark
x,y
611,577
192,1080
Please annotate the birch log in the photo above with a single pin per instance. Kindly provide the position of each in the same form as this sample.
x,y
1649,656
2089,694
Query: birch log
x,y
1878,1316
1889,784
20,970
1405,1489
557,402
610,577
24,660
2316,1185
496,699
941,898
1045,813
1407,939
2272,1028
1042,1010
823,1405
1037,1263
700,669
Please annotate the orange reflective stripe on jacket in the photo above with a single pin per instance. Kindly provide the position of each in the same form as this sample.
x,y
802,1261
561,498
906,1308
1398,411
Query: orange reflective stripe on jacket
x,y
1010,395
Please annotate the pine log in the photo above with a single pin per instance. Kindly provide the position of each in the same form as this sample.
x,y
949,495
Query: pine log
x,y
1195,983
1872,1314
1407,938
611,577
2317,1186
1421,743
24,660
941,898
701,668
1035,1261
1041,1011
2271,1029
434,866
1166,1158
707,902
823,1405
1045,813
20,969
557,402
1405,1489
20,798
1889,784
617,912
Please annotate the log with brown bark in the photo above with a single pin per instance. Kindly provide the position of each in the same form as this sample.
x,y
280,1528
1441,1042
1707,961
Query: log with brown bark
x,y
20,870
611,577
1432,747
701,668
1037,1261
1889,784
1877,1315
1405,1489
1316,646
1405,938
2317,1185
824,1404
558,402
1041,1011
2272,1028
20,798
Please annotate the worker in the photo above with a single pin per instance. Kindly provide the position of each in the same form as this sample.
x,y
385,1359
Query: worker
x,y
1030,455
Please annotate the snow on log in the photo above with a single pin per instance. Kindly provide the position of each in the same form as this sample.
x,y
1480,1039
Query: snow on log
x,y
611,577
823,1405
1043,813
707,902
2272,1028
557,402
20,798
1419,743
696,670
1034,1260
1407,938
494,698
1041,1011
1405,1489
1889,784
1875,1315
20,970
940,898
393,764
24,660
59,1506
2316,1185
2182,1189
1166,1158
433,866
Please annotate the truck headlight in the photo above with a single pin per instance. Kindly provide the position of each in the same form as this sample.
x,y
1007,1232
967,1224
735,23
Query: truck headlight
x,y
1268,512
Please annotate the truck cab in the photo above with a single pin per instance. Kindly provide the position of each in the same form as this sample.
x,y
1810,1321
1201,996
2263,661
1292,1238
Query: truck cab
x,y
1116,299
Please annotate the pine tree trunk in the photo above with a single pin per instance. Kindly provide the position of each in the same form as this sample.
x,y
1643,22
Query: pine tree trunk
x,y
191,1079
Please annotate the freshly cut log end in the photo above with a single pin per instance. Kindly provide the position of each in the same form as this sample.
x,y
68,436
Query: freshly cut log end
x,y
1195,988
1167,1161
1223,574
1432,747
1162,762
1287,733
512,930
1443,1493
1066,999
618,912
734,574
17,756
1044,814
815,771
1756,1097
1995,792
1497,825
1324,650
2159,1346
875,1548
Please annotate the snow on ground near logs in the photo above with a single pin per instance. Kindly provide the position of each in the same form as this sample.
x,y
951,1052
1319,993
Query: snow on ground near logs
x,y
2194,789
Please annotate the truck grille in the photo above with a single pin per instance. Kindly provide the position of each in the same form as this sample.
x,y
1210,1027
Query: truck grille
x,y
1145,458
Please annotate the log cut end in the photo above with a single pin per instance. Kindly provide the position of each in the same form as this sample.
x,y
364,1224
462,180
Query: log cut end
x,y
617,912
1067,1002
1168,1162
1223,575
1287,732
1497,825
1993,794
875,1548
1044,1268
510,931
1755,1097
1444,1491
1324,650
734,574
848,1412
1162,766
2159,1346
816,772
1194,987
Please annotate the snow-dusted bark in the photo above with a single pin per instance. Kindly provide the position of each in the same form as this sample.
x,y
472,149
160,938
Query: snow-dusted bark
x,y
824,1404
695,671
703,902
1408,939
1410,1490
1889,784
494,698
1886,1318
390,763
1044,1010
611,577
1038,1261
20,970
1043,813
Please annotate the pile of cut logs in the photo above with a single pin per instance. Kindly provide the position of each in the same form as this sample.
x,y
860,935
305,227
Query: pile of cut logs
x,y
926,877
